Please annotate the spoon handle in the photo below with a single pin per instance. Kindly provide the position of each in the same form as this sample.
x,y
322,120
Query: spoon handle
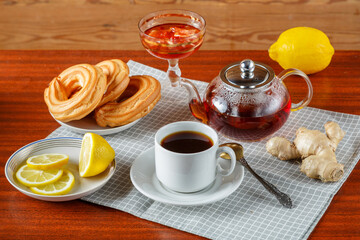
x,y
283,198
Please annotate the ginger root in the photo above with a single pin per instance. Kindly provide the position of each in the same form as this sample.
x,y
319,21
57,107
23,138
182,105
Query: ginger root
x,y
316,150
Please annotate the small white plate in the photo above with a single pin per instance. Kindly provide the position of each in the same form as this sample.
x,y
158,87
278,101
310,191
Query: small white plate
x,y
143,177
66,145
88,124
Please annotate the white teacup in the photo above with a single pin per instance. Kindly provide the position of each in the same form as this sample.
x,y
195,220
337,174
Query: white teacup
x,y
189,172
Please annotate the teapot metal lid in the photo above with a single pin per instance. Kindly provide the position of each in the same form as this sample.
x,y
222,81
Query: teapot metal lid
x,y
247,74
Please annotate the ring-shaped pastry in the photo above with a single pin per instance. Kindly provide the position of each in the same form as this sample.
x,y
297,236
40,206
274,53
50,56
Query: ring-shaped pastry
x,y
138,99
117,74
76,92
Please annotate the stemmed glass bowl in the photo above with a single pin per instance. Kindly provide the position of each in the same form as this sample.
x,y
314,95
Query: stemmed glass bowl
x,y
172,35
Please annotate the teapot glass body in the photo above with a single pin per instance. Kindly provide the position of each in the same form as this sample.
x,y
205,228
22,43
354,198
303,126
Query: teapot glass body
x,y
252,103
246,115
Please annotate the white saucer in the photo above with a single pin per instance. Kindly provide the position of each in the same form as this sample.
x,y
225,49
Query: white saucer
x,y
88,124
66,145
143,177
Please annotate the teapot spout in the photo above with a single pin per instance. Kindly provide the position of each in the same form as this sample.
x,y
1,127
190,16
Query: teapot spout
x,y
196,105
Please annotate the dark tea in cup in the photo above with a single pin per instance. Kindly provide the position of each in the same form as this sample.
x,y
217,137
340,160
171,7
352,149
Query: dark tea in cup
x,y
187,156
186,142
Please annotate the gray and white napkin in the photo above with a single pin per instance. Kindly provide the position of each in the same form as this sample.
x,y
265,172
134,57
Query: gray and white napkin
x,y
248,213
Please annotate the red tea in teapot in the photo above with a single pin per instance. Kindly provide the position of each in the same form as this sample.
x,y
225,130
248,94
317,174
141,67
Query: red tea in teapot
x,y
247,101
250,122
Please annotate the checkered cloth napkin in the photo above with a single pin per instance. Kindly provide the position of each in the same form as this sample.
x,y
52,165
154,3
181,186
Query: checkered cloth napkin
x,y
250,212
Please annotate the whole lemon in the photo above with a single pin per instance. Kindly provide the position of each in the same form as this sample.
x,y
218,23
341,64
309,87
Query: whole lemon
x,y
304,48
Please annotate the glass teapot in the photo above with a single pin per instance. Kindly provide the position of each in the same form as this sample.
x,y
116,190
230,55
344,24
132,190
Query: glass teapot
x,y
247,101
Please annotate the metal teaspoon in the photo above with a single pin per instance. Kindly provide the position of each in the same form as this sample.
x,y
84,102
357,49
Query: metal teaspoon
x,y
284,199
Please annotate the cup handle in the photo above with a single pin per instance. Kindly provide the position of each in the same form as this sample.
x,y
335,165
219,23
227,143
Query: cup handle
x,y
231,153
303,103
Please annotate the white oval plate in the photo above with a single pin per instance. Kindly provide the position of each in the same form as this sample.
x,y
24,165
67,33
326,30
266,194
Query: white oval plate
x,y
143,176
66,145
88,124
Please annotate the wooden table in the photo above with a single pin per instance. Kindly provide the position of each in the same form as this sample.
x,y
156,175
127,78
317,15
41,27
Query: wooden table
x,y
24,118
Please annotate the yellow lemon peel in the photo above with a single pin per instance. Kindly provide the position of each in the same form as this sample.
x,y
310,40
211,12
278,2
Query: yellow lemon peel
x,y
95,155
33,177
305,48
47,161
60,187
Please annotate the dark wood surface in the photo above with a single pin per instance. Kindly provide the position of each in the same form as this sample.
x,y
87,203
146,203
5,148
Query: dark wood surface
x,y
24,118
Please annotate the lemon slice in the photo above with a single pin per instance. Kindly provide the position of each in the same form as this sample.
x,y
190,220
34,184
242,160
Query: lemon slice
x,y
32,177
47,161
95,155
61,186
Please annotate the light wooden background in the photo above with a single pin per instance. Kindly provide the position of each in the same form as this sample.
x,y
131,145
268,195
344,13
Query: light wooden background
x,y
231,24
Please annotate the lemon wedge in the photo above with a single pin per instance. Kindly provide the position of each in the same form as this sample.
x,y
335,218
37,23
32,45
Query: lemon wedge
x,y
95,155
304,48
61,186
47,161
32,177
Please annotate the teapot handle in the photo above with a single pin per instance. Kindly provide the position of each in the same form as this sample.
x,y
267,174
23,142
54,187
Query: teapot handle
x,y
303,103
